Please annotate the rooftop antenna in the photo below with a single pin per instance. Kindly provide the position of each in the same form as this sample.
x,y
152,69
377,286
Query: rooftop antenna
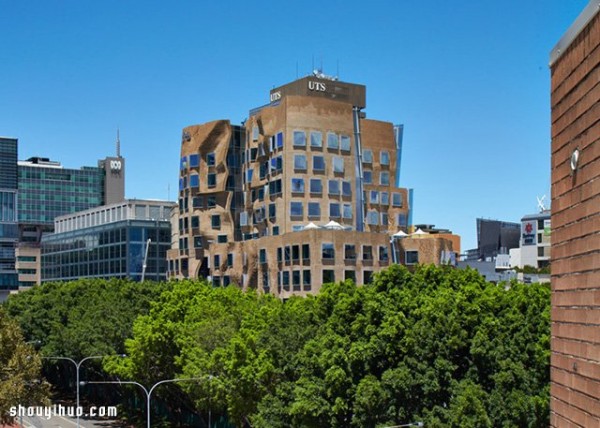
x,y
540,202
118,144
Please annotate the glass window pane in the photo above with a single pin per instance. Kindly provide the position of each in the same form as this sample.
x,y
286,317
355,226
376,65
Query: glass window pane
x,y
345,143
332,140
316,139
299,138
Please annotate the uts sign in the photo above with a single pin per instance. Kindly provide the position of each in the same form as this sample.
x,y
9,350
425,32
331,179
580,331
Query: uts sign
x,y
115,165
316,86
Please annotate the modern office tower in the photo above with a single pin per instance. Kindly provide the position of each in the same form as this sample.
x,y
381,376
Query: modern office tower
x,y
494,237
48,190
122,240
8,215
575,163
302,195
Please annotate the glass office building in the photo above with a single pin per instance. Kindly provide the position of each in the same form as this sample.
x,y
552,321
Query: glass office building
x,y
109,242
8,213
47,190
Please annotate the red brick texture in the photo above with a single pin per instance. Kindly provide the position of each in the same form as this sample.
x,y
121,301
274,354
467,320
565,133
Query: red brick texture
x,y
575,361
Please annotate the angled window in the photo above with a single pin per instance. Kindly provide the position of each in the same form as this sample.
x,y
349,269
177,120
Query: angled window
x,y
211,180
318,163
384,198
338,164
347,211
384,157
374,197
411,257
345,143
194,161
334,210
367,177
346,188
316,186
297,185
296,209
314,209
316,139
279,140
327,251
332,141
334,187
299,138
210,159
397,199
367,156
300,162
384,178
194,180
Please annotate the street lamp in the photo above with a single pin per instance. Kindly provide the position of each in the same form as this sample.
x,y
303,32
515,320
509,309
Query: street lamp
x,y
77,367
146,391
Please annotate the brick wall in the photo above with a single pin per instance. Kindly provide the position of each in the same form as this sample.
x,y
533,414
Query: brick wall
x,y
575,361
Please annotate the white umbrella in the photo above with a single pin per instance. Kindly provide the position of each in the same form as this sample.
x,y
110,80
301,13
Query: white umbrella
x,y
311,226
334,225
400,234
420,232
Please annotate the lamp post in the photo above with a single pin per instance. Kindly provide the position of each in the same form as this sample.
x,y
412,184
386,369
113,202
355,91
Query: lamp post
x,y
148,392
77,367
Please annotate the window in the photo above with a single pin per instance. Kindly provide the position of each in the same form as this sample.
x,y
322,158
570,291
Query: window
x,y
255,133
384,219
287,254
334,210
300,162
285,278
276,165
211,180
299,139
230,260
347,211
328,252
279,255
272,211
346,188
334,187
402,220
316,187
295,253
253,153
210,159
194,161
384,158
297,185
194,181
367,252
297,228
211,201
197,242
349,252
222,239
332,141
372,217
263,168
367,277
249,172
316,139
306,252
350,275
215,221
262,256
338,164
306,279
217,261
296,209
328,276
374,197
279,140
383,253
296,279
411,257
397,199
318,163
384,198
275,187
345,140
384,178
195,222
198,202
183,163
275,230
314,209
367,156
367,177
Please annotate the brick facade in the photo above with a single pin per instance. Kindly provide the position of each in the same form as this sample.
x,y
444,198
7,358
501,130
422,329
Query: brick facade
x,y
575,342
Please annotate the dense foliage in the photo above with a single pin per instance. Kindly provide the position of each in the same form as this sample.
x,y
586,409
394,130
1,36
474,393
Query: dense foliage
x,y
82,318
438,345
20,380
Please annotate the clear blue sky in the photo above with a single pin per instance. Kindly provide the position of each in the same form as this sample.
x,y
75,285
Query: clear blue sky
x,y
469,80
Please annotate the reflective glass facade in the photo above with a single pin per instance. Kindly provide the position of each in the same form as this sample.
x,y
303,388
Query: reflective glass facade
x,y
107,251
48,192
8,213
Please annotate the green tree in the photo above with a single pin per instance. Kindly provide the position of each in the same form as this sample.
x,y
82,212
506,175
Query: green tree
x,y
20,364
